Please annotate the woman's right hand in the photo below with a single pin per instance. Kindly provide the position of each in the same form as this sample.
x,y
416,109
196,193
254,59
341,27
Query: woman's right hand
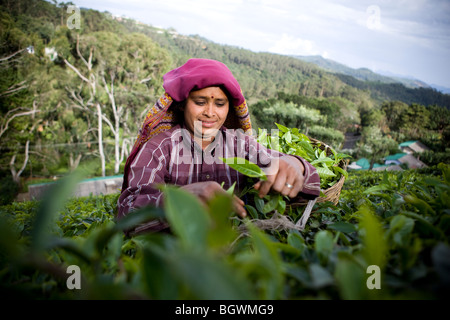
x,y
207,190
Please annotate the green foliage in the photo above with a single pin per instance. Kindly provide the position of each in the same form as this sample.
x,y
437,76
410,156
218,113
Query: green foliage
x,y
397,221
291,141
8,190
376,145
245,167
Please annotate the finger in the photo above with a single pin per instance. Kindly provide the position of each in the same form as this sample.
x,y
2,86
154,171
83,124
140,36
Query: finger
x,y
238,200
297,187
265,186
238,206
279,184
288,188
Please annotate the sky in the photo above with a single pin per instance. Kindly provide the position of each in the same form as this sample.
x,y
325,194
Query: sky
x,y
410,38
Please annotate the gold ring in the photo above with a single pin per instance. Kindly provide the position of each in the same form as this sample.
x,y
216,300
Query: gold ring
x,y
290,186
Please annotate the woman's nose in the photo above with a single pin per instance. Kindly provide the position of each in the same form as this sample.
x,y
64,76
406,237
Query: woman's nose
x,y
208,110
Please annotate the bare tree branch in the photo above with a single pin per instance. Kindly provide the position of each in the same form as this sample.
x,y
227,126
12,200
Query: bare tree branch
x,y
16,174
14,88
76,70
109,123
87,63
4,126
12,55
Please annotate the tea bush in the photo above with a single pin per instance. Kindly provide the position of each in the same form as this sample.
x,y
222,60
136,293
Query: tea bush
x,y
396,221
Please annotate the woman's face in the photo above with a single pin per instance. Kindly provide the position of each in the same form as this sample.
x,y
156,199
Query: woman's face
x,y
205,112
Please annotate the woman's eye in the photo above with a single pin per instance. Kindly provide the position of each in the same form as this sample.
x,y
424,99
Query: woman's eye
x,y
200,103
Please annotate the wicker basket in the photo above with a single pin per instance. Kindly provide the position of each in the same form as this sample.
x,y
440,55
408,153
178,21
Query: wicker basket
x,y
332,193
282,222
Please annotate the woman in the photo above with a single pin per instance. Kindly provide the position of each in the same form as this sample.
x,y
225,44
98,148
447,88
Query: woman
x,y
201,118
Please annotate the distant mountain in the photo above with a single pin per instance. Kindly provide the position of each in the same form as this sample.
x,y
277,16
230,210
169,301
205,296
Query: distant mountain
x,y
363,74
437,87
441,88
264,75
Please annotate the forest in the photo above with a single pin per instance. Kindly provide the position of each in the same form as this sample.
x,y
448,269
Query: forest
x,y
74,90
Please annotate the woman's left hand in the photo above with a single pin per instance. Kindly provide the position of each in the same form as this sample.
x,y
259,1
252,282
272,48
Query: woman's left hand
x,y
287,178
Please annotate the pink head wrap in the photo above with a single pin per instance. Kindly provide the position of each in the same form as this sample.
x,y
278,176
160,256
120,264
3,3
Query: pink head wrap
x,y
197,74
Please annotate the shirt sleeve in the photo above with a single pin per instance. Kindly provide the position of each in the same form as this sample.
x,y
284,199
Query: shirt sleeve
x,y
147,171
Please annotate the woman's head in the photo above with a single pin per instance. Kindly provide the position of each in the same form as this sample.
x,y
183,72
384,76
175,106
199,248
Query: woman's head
x,y
198,74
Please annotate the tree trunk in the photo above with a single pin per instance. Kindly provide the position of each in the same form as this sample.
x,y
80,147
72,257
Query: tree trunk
x,y
117,112
74,162
100,139
117,146
372,162
16,174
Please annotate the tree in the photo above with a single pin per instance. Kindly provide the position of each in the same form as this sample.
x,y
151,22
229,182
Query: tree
x,y
90,79
16,105
393,111
286,113
121,77
414,120
376,144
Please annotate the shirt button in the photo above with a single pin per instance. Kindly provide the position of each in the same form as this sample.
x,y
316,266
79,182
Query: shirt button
x,y
207,176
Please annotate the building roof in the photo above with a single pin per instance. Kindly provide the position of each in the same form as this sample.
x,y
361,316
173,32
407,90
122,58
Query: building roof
x,y
396,156
413,163
354,166
413,146
407,143
363,163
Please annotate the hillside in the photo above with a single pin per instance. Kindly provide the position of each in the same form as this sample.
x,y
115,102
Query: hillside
x,y
261,75
264,74
363,74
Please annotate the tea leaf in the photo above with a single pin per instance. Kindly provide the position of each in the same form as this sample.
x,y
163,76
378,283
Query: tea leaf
x,y
207,278
323,243
271,205
188,218
342,226
245,167
52,203
375,246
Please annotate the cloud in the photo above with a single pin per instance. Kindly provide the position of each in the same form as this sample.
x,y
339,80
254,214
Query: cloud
x,y
295,46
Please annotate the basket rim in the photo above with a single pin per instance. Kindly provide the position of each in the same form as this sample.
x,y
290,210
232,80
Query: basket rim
x,y
332,193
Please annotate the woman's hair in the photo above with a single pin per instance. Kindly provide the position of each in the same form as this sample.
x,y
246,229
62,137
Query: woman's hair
x,y
177,109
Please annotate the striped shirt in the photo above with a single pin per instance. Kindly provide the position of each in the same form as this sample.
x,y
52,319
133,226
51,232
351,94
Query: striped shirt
x,y
173,157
